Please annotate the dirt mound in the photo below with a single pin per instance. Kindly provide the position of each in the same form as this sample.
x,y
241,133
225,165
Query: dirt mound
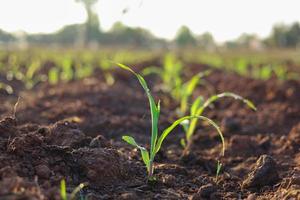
x,y
35,158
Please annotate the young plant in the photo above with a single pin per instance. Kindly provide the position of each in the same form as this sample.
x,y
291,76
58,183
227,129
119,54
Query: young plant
x,y
63,191
198,108
218,170
31,77
186,91
53,76
156,140
170,74
173,83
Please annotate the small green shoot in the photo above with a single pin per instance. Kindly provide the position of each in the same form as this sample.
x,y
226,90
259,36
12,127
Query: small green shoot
x,y
156,141
187,89
63,191
53,76
173,84
219,167
198,108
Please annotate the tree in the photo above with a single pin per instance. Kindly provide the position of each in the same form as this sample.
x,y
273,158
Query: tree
x,y
6,37
293,35
92,27
124,35
278,36
184,37
287,36
206,41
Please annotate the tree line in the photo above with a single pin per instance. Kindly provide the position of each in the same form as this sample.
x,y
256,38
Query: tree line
x,y
90,33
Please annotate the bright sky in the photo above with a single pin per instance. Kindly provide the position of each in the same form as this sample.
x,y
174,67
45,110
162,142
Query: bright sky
x,y
225,19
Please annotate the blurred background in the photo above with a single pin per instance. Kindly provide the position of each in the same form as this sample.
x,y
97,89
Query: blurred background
x,y
208,25
55,41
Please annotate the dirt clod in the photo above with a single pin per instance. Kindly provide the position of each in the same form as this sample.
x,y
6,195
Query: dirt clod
x,y
99,142
8,127
242,145
24,143
169,180
129,196
43,171
251,197
230,125
264,173
16,188
64,133
101,166
295,179
205,191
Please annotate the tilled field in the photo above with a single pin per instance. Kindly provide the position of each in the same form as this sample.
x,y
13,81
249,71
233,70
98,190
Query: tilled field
x,y
73,131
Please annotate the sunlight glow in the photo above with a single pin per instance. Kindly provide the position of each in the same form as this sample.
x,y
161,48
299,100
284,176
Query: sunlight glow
x,y
224,19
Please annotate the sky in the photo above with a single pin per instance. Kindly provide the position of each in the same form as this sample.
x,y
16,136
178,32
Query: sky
x,y
225,19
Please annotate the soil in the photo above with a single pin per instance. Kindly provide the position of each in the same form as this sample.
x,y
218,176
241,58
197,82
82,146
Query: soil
x,y
73,131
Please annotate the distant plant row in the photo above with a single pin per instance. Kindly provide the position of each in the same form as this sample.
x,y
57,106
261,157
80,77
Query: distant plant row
x,y
36,66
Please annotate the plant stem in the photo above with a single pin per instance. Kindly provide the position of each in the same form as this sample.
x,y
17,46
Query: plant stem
x,y
151,170
187,148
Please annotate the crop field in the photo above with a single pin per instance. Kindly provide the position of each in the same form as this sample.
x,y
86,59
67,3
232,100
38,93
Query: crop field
x,y
141,124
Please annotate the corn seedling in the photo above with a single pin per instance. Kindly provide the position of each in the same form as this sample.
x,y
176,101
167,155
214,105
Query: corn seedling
x,y
53,76
187,89
106,66
156,140
63,191
173,83
218,170
170,74
198,108
67,73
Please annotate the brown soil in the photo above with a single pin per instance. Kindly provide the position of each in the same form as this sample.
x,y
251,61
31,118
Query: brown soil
x,y
73,131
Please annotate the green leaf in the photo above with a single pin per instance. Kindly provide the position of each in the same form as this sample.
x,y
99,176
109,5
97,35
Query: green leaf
x,y
145,157
158,106
63,190
76,190
196,104
219,167
145,154
191,84
167,131
209,101
188,88
130,140
229,94
185,124
182,142
178,121
53,76
186,91
152,70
